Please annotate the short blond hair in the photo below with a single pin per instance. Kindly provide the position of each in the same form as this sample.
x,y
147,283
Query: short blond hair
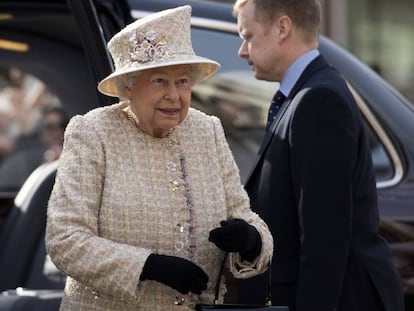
x,y
306,15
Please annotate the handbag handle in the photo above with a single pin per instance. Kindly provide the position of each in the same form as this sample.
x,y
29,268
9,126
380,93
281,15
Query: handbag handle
x,y
217,288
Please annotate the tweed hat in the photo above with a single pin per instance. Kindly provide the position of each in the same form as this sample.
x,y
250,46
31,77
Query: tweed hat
x,y
157,40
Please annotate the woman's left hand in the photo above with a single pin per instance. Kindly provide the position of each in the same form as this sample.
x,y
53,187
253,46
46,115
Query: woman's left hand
x,y
236,235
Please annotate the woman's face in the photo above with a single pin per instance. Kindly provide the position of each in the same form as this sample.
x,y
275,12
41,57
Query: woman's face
x,y
160,98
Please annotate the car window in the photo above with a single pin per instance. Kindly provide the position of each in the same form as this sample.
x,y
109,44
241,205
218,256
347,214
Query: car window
x,y
241,102
32,122
233,95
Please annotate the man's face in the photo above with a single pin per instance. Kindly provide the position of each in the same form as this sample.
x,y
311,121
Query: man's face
x,y
261,46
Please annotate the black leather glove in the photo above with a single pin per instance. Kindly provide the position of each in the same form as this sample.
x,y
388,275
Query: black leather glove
x,y
236,235
178,273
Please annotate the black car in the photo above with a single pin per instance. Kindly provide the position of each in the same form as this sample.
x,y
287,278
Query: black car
x,y
62,45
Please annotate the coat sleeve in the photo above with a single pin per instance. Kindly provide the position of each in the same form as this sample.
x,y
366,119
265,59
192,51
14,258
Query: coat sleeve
x,y
72,233
323,142
238,206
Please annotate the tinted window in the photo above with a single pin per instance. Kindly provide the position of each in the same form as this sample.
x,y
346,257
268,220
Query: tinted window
x,y
31,127
241,102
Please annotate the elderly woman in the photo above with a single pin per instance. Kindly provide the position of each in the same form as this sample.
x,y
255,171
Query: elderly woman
x,y
147,196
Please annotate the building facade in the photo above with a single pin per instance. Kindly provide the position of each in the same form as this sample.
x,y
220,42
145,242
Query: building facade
x,y
379,32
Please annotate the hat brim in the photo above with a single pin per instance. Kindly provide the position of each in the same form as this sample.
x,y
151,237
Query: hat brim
x,y
206,67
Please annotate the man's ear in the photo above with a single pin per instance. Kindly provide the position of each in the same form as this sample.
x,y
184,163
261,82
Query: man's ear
x,y
284,25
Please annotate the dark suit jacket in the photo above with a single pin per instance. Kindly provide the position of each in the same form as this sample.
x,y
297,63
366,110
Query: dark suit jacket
x,y
314,185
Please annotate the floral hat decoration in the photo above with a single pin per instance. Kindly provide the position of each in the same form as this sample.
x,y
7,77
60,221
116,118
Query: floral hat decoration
x,y
157,40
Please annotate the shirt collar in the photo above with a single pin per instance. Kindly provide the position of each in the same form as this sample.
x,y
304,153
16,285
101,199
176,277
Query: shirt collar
x,y
294,71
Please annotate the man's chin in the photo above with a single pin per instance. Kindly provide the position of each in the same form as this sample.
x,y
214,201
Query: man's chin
x,y
260,76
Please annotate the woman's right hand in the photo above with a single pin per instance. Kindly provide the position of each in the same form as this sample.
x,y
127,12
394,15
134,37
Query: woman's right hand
x,y
178,273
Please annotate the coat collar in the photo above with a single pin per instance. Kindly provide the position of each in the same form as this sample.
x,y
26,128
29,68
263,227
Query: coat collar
x,y
317,64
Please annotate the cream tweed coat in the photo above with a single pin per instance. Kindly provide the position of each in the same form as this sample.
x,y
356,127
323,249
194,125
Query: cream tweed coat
x,y
121,195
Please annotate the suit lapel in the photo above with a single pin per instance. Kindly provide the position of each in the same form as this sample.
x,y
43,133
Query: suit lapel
x,y
317,64
268,136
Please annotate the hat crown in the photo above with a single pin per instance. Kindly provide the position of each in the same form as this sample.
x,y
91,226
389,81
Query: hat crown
x,y
157,40
159,37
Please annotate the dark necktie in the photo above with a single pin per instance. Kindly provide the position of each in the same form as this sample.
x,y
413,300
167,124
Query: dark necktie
x,y
277,101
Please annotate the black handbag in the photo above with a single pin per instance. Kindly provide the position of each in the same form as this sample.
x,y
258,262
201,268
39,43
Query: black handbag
x,y
216,306
201,307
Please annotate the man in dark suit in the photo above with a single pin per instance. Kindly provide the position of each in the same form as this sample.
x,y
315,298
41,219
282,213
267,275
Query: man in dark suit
x,y
313,182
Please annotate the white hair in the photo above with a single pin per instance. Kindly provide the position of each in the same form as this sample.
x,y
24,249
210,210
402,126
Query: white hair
x,y
125,81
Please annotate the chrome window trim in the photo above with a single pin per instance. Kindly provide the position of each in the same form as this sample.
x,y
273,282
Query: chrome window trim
x,y
384,139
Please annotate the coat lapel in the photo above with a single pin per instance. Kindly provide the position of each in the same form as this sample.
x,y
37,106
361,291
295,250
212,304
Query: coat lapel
x,y
317,64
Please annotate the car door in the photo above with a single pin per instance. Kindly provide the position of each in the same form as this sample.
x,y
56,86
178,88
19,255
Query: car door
x,y
59,46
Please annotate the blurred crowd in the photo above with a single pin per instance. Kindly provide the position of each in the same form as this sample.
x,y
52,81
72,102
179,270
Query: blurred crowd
x,y
32,123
